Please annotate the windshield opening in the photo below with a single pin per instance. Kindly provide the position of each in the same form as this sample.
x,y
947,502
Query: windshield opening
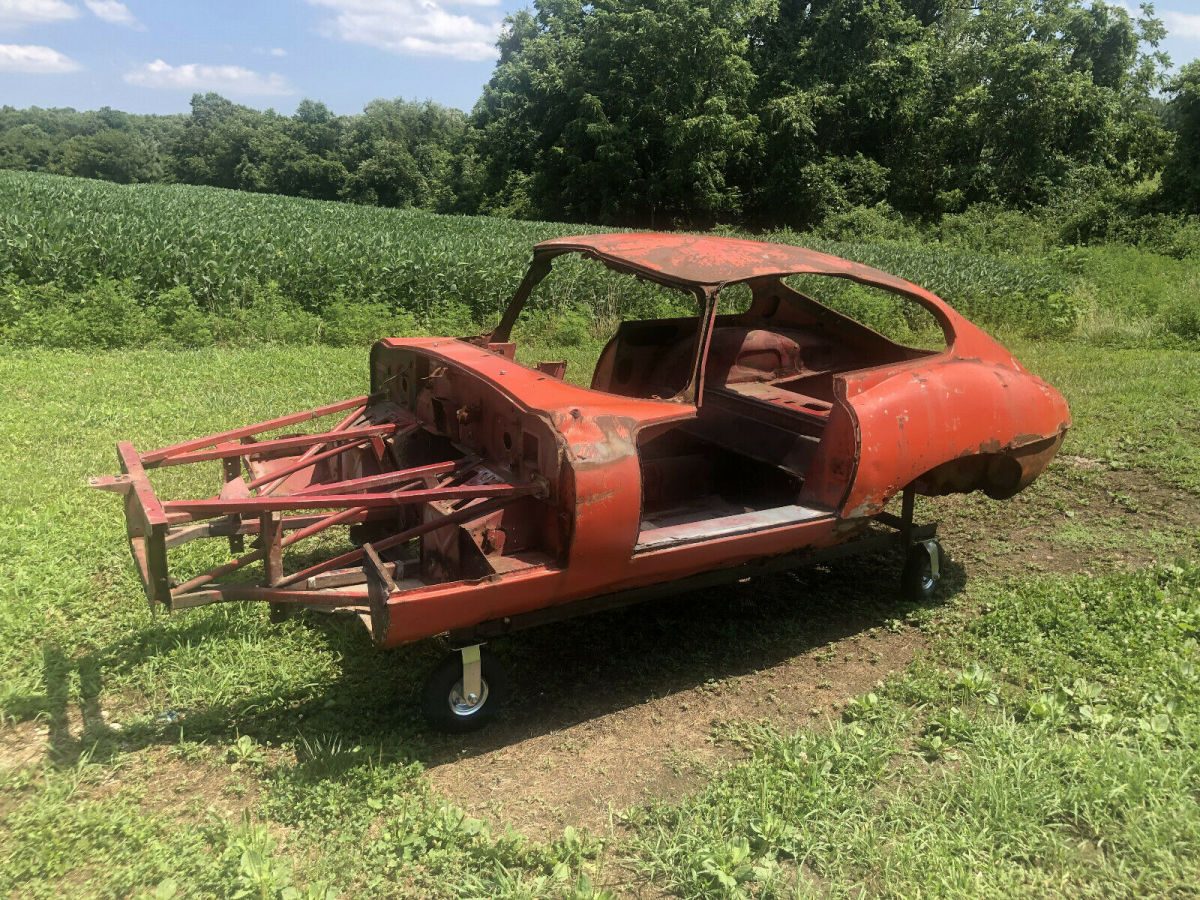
x,y
575,311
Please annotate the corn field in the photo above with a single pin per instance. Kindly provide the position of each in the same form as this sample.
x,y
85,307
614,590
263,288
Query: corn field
x,y
224,247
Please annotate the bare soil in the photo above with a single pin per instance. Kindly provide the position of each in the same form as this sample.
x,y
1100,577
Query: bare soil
x,y
169,782
587,773
22,744
1080,517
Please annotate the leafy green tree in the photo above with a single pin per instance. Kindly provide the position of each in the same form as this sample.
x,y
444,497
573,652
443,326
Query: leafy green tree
x,y
388,176
315,126
26,147
400,153
932,105
37,139
113,155
620,111
1045,88
213,142
227,145
845,89
1181,174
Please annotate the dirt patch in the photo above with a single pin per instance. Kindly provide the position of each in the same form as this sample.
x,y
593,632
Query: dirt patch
x,y
1081,462
22,744
1080,517
170,782
586,773
176,785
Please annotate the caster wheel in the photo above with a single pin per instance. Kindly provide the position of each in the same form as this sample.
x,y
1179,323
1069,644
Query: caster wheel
x,y
450,708
922,570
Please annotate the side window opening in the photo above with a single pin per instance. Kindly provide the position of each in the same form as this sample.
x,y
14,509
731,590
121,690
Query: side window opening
x,y
734,299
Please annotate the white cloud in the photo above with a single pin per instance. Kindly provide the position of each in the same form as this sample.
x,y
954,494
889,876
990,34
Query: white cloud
x,y
112,11
15,13
1185,26
196,77
34,60
277,51
421,27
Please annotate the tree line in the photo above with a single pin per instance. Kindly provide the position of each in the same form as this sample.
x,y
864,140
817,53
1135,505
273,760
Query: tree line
x,y
665,113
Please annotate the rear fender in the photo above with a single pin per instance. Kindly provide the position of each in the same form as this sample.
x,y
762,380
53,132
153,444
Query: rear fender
x,y
948,426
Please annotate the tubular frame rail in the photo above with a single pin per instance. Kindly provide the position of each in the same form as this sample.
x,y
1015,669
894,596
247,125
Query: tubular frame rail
x,y
260,507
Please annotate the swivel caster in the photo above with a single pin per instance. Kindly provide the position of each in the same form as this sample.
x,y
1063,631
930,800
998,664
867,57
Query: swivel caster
x,y
922,571
464,691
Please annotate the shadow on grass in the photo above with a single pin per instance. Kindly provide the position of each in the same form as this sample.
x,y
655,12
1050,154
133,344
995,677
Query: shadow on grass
x,y
560,674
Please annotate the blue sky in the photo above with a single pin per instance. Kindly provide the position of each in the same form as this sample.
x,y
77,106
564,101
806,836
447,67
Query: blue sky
x,y
152,55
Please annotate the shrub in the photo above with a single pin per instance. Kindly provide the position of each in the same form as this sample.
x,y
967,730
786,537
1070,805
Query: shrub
x,y
346,323
988,228
105,315
866,223
1182,318
271,318
181,322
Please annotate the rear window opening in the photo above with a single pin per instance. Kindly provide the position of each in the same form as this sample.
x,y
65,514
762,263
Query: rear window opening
x,y
897,318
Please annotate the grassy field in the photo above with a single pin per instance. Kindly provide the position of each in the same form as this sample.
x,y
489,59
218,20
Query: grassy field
x,y
1032,732
1044,741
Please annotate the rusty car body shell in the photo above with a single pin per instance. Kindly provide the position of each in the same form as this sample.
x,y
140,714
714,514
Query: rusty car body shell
x,y
489,489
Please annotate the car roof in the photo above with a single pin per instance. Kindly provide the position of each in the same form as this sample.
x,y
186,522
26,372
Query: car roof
x,y
692,260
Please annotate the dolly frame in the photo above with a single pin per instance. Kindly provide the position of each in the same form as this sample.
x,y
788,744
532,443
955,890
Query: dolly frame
x,y
906,537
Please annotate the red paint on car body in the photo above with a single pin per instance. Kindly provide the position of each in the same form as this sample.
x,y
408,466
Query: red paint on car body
x,y
704,443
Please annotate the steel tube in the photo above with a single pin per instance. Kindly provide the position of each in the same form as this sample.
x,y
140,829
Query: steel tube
x,y
466,514
219,506
382,480
329,521
350,420
288,443
155,456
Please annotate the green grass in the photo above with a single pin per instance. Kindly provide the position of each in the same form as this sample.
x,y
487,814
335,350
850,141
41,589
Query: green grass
x,y
1028,756
1131,408
212,753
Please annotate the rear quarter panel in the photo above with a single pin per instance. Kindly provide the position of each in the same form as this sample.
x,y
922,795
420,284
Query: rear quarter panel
x,y
912,419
